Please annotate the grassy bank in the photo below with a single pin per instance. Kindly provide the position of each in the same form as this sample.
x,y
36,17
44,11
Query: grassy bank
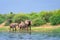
x,y
5,28
36,29
53,30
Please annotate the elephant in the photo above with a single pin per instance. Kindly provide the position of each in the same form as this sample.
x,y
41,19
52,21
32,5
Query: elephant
x,y
21,25
28,24
13,26
25,24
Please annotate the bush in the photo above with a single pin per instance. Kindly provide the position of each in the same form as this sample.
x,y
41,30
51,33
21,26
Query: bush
x,y
33,15
55,19
38,22
46,15
19,17
2,18
9,21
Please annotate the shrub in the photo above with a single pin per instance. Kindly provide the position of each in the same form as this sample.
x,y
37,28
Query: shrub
x,y
2,18
38,22
19,17
33,15
9,21
55,19
45,15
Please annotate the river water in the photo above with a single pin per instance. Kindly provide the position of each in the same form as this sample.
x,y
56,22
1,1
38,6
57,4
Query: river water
x,y
28,36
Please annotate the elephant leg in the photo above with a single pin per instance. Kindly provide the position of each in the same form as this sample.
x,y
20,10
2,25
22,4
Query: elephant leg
x,y
27,28
20,27
9,29
30,28
15,28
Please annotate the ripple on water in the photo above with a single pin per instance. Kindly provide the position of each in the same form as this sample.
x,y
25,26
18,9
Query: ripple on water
x,y
27,36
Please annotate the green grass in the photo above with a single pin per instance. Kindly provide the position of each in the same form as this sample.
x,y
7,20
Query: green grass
x,y
42,29
53,30
4,28
57,30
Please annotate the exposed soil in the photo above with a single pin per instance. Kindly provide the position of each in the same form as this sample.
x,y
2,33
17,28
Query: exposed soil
x,y
43,26
48,25
3,24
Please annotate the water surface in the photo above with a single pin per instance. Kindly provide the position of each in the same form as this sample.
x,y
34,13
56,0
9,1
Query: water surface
x,y
28,36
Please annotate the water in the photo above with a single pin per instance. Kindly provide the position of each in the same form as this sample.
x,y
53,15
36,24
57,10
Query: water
x,y
27,36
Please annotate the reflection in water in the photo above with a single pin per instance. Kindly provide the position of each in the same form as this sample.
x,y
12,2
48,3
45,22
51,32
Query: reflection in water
x,y
28,36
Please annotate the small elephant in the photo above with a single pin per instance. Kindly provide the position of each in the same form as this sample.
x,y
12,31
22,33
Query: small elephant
x,y
13,26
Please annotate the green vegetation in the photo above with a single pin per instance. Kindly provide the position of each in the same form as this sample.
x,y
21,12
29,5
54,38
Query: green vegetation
x,y
55,19
38,21
37,18
2,18
20,17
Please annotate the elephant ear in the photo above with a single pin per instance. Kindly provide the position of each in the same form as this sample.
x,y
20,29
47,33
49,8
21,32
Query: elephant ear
x,y
28,22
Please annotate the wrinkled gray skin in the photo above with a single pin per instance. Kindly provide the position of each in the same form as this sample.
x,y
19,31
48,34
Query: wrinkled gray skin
x,y
28,23
13,26
21,25
25,24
